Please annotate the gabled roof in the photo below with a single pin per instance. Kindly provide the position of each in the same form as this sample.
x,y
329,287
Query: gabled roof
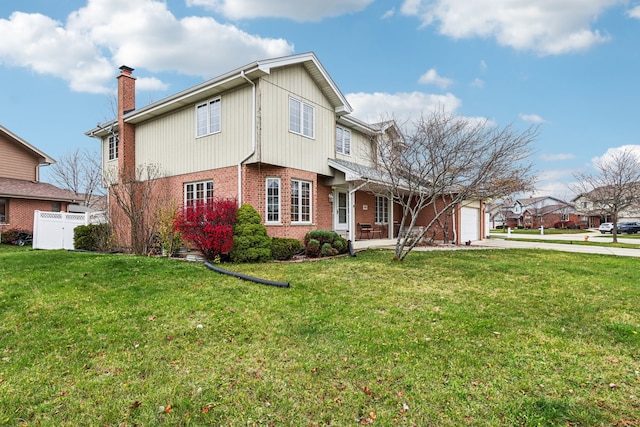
x,y
23,189
234,79
44,159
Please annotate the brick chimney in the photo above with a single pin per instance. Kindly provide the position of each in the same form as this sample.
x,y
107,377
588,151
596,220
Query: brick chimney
x,y
126,131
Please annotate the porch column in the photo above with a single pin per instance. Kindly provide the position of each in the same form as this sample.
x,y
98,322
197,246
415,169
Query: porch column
x,y
391,225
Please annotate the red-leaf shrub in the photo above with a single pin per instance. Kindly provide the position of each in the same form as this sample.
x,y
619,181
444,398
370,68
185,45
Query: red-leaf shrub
x,y
208,226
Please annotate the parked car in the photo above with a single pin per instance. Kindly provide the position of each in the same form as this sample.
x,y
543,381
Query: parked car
x,y
606,227
629,227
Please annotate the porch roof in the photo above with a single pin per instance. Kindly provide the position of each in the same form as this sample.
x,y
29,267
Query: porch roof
x,y
354,172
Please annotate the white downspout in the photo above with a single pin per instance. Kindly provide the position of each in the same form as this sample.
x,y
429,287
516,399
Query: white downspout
x,y
253,138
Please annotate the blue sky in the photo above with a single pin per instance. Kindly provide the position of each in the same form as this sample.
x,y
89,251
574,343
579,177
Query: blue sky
x,y
572,66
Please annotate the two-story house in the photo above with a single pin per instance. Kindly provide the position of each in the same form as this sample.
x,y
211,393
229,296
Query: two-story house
x,y
21,192
277,134
533,212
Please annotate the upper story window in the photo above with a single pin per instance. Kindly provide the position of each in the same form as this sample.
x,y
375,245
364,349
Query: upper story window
x,y
301,118
343,141
300,201
273,200
208,117
113,147
382,210
195,192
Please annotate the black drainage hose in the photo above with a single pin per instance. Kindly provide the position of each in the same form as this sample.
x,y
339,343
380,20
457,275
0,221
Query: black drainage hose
x,y
245,277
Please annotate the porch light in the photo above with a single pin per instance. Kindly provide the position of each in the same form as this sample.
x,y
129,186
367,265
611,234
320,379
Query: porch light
x,y
330,197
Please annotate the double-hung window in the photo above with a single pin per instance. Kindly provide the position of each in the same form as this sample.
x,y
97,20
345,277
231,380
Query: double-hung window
x,y
300,202
382,210
343,141
198,192
273,200
113,147
208,117
301,118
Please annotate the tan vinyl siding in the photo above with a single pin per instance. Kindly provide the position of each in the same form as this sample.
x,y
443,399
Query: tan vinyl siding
x,y
16,162
361,149
109,167
278,145
171,142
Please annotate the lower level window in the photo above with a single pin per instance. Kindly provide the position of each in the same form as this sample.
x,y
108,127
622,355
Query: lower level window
x,y
273,200
195,192
300,201
382,210
3,211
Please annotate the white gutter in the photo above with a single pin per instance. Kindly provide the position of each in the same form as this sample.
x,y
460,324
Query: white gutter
x,y
253,138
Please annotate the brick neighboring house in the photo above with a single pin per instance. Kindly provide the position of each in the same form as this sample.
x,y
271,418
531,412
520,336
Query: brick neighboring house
x,y
532,212
21,192
277,134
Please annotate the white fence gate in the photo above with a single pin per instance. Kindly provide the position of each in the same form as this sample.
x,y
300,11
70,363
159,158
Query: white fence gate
x,y
54,230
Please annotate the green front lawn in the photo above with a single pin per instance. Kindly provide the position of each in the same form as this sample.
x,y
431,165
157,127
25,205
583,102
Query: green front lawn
x,y
445,338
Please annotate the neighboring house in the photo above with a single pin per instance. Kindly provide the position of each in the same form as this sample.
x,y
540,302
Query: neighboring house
x,y
595,213
21,192
533,212
277,134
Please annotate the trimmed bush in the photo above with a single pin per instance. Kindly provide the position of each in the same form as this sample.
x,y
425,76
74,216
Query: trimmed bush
x,y
92,237
250,240
336,243
312,249
284,248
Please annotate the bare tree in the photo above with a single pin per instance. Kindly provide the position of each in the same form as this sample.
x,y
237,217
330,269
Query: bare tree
x,y
80,171
444,160
138,198
614,187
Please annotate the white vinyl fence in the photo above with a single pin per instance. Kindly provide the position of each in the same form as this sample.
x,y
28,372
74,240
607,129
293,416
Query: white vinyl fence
x,y
54,230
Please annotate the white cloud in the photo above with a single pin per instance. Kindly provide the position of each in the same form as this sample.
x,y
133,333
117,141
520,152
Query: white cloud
x,y
389,13
556,183
432,77
96,39
372,107
483,65
151,84
532,118
308,10
548,27
607,156
634,13
477,83
557,157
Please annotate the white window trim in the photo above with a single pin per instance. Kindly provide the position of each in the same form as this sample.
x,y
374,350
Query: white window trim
x,y
266,201
301,124
208,104
385,201
301,181
112,141
343,151
195,183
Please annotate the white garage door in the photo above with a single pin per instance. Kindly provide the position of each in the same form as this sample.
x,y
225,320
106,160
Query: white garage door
x,y
470,224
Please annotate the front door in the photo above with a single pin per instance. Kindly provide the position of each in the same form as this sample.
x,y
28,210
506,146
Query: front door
x,y
341,211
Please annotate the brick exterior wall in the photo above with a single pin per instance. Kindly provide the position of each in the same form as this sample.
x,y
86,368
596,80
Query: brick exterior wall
x,y
20,213
254,193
